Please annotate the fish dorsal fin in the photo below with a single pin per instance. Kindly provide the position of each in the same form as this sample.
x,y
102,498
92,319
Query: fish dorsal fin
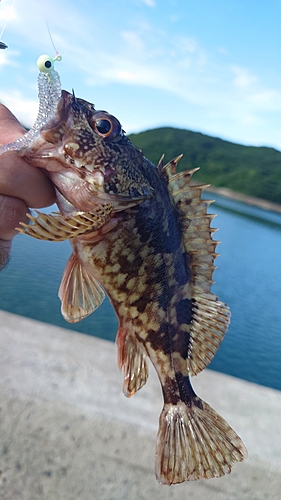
x,y
170,169
160,165
80,292
210,317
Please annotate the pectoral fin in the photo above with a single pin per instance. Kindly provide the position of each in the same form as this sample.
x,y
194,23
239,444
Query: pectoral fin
x,y
80,292
58,227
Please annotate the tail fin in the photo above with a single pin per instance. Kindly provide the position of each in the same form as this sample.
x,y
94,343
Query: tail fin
x,y
195,442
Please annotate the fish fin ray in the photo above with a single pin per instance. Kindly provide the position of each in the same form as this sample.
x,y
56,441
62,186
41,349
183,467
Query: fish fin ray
x,y
210,317
210,321
195,442
160,164
132,361
196,230
58,227
169,169
80,292
197,234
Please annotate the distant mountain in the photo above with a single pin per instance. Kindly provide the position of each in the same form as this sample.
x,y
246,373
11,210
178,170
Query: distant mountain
x,y
254,171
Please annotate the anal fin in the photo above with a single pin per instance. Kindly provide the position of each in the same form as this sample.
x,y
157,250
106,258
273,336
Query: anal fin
x,y
80,292
132,360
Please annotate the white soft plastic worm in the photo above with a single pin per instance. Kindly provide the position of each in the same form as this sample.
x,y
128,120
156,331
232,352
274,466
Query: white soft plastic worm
x,y
49,93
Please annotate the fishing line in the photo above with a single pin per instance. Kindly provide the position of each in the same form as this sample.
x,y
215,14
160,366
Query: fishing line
x,y
48,28
2,44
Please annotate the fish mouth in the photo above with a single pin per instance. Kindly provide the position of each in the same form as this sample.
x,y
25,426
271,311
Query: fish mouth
x,y
77,190
76,195
40,151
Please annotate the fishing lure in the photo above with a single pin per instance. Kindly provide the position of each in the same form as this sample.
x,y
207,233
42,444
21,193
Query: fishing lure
x,y
49,91
49,94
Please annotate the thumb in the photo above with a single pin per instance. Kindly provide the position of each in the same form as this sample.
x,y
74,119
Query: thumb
x,y
10,127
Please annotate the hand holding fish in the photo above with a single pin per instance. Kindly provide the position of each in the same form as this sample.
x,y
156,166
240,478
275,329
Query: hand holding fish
x,y
21,186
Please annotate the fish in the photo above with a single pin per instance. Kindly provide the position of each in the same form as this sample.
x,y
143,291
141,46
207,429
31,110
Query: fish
x,y
142,234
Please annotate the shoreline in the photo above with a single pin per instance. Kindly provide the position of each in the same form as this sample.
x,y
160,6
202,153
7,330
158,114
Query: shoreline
x,y
244,198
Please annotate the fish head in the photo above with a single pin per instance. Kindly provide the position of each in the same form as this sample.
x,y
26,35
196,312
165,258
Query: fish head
x,y
88,157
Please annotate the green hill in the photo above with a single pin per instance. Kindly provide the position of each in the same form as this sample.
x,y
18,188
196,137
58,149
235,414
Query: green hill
x,y
254,171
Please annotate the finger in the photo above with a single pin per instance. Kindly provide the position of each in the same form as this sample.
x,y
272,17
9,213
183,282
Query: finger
x,y
5,248
10,127
12,212
18,179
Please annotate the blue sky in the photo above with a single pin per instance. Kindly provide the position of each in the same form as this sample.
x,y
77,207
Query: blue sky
x,y
212,66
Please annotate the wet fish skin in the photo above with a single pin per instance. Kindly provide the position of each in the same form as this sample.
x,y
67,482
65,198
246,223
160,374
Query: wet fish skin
x,y
153,255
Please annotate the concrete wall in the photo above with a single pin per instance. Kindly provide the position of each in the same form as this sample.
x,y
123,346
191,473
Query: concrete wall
x,y
68,433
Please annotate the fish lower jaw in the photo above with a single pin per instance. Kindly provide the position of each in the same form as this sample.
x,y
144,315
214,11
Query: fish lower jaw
x,y
65,206
73,195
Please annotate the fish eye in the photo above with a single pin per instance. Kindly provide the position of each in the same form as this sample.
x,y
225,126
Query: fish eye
x,y
106,126
103,126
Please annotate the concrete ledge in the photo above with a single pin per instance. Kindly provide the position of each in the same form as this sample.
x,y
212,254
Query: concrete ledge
x,y
68,433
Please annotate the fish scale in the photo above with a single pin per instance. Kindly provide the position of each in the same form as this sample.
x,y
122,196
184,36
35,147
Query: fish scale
x,y
144,237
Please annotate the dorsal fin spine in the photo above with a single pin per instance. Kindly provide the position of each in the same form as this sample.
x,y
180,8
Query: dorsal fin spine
x,y
210,317
161,163
170,168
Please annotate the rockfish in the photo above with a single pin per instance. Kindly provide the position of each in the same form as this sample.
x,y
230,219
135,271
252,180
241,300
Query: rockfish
x,y
142,234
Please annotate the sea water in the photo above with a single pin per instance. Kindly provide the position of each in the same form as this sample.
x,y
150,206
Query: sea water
x,y
248,279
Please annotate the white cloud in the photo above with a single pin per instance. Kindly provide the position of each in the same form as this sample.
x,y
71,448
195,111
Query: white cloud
x,y
139,53
3,58
148,57
243,78
180,65
187,44
149,3
9,58
266,99
135,42
7,12
25,110
255,95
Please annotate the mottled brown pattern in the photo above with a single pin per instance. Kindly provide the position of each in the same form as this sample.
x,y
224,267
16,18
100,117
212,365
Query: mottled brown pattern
x,y
154,258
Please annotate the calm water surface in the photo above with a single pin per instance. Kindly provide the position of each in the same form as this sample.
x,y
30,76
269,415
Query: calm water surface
x,y
248,278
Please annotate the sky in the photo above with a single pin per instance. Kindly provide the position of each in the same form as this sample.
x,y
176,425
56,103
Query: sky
x,y
212,66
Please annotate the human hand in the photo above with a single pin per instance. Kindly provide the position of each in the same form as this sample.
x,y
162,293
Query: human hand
x,y
21,186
